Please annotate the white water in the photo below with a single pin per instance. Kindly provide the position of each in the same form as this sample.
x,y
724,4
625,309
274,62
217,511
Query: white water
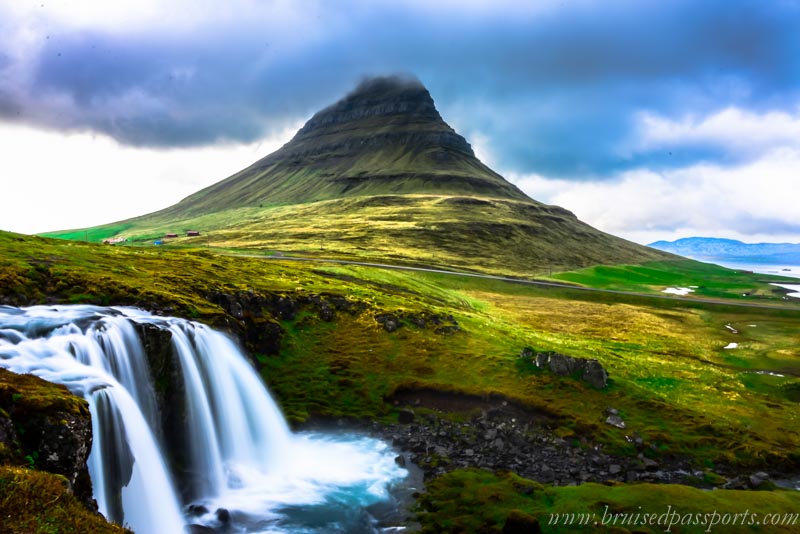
x,y
242,456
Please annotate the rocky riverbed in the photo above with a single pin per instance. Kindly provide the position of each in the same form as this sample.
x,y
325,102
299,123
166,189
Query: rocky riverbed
x,y
440,432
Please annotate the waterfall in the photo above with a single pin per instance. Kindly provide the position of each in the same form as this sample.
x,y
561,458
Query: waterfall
x,y
242,463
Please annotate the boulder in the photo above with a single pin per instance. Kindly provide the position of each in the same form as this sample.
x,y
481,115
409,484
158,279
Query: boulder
x,y
47,427
594,374
615,420
590,371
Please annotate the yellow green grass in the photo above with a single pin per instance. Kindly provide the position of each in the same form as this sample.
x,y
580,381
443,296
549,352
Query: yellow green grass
x,y
671,379
665,357
478,501
38,502
481,234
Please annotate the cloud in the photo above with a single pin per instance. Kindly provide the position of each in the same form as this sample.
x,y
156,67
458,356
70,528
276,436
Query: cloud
x,y
80,180
557,88
733,130
748,202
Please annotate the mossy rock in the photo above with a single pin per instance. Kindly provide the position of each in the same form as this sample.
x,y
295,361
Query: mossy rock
x,y
35,501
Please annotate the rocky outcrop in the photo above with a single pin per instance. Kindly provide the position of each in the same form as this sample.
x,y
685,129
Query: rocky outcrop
x,y
441,324
590,371
43,425
507,437
392,100
256,318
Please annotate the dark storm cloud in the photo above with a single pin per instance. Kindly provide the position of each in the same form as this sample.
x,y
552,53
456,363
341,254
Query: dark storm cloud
x,y
555,93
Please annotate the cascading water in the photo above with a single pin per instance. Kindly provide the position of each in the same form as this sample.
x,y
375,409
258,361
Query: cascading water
x,y
245,470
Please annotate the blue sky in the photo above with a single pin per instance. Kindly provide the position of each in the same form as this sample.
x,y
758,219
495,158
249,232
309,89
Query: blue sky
x,y
648,119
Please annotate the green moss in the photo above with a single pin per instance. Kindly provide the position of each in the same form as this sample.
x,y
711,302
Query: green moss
x,y
479,501
26,394
38,502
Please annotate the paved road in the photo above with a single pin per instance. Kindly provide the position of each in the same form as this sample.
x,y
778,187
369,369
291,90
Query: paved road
x,y
528,282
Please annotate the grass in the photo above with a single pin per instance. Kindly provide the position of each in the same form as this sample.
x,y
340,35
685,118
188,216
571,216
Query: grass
x,y
707,280
479,501
38,502
671,379
480,234
663,355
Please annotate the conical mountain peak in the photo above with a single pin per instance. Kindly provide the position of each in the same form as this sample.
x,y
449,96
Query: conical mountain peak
x,y
384,137
387,97
379,175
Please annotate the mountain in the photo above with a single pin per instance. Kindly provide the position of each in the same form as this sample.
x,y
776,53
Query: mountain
x,y
385,137
379,175
712,248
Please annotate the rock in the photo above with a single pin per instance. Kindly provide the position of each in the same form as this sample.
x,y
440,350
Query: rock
x,y
325,312
223,515
564,365
614,469
590,371
612,411
196,509
649,464
400,460
198,529
45,425
405,417
519,522
615,420
546,474
759,480
448,330
594,374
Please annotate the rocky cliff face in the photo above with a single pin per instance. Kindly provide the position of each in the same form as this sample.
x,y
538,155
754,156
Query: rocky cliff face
x,y
43,425
404,105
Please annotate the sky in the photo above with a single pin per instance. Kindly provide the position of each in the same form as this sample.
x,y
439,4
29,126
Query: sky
x,y
648,119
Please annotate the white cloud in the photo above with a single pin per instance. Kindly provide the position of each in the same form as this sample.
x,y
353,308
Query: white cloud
x,y
752,202
731,128
57,182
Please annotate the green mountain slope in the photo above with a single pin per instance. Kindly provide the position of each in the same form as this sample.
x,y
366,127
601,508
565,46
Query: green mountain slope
x,y
386,137
380,175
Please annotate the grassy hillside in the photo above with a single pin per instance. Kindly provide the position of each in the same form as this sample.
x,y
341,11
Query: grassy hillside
x,y
664,356
672,380
380,175
477,501
491,235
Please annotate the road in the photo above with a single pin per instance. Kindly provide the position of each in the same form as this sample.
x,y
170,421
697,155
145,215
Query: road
x,y
539,283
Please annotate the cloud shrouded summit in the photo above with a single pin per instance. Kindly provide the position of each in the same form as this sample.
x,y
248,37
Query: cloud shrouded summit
x,y
558,90
572,100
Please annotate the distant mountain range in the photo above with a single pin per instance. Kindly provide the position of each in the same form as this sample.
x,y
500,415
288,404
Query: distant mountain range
x,y
712,248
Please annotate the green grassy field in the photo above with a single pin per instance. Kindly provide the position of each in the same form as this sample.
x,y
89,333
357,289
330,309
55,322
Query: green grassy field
x,y
672,380
480,234
477,501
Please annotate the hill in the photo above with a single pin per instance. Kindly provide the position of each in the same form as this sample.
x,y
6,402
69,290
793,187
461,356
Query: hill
x,y
379,175
711,248
320,335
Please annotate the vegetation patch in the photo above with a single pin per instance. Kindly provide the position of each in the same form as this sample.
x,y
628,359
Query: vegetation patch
x,y
480,501
41,503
